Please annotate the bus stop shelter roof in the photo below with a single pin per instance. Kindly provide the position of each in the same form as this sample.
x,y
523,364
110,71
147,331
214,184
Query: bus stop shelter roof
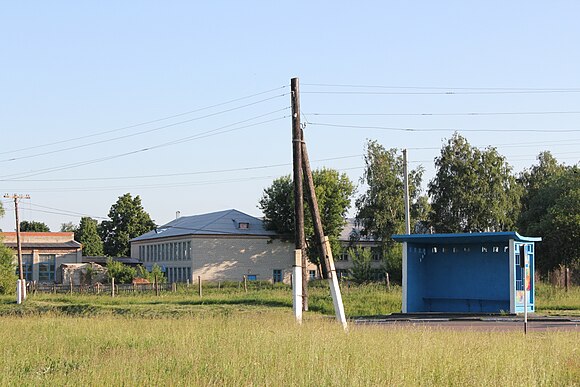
x,y
464,238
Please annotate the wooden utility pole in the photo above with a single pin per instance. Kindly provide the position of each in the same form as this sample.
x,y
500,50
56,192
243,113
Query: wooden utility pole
x,y
406,185
326,260
21,286
300,294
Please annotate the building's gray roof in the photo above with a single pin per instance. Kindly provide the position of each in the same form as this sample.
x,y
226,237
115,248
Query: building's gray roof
x,y
216,223
352,231
46,245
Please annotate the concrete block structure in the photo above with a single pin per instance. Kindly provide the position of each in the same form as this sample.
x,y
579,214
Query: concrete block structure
x,y
467,273
219,246
43,253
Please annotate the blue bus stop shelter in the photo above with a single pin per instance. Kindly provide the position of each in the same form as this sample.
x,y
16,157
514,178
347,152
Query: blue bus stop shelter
x,y
467,273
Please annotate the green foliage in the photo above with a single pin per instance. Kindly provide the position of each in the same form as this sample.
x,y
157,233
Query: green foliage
x,y
68,227
552,211
128,220
362,271
381,209
122,274
7,270
333,192
393,263
155,274
33,226
87,234
472,190
1,210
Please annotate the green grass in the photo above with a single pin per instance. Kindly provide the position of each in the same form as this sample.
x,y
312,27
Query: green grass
x,y
551,300
262,348
230,337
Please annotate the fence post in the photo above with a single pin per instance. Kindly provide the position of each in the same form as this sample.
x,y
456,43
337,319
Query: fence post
x,y
174,287
387,281
113,287
199,284
567,278
156,286
245,284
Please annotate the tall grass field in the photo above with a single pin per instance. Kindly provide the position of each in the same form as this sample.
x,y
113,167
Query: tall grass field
x,y
230,337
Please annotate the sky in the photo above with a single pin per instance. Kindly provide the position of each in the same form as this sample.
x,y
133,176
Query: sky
x,y
187,104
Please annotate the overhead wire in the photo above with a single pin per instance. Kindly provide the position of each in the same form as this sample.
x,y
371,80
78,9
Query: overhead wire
x,y
400,129
148,122
205,134
139,133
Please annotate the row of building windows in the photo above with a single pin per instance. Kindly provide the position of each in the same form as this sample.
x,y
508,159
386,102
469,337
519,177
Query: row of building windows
x,y
46,267
466,249
172,251
178,274
375,254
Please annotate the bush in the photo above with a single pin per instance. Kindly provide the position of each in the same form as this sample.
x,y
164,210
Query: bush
x,y
122,274
7,271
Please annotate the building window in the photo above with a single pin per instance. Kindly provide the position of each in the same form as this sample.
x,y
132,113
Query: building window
x,y
46,267
251,277
26,267
376,253
243,225
277,275
311,274
341,273
343,256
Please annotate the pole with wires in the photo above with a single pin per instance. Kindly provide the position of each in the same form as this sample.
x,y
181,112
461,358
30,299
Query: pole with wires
x,y
21,282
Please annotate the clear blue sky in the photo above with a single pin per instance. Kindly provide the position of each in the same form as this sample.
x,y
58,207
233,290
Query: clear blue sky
x,y
75,76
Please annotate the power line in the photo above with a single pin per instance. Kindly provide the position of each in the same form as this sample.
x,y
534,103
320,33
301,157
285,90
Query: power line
x,y
442,114
443,129
178,174
70,212
142,132
149,122
439,92
213,132
439,88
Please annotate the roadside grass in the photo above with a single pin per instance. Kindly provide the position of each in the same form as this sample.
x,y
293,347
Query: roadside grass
x,y
358,300
555,301
265,348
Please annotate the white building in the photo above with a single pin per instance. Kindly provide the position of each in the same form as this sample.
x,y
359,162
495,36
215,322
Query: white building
x,y
219,246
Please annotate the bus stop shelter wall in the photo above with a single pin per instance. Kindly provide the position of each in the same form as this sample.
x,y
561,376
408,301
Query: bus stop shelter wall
x,y
466,273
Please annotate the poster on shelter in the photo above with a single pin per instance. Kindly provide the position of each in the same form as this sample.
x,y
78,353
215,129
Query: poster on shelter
x,y
528,282
520,297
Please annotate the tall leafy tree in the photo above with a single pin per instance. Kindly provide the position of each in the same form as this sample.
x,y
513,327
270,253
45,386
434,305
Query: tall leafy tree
x,y
333,192
381,208
128,220
87,234
473,190
33,226
551,209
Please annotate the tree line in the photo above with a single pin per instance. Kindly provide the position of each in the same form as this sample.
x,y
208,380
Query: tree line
x,y
473,190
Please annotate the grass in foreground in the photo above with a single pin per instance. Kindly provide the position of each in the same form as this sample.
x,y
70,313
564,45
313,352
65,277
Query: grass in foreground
x,y
268,348
552,300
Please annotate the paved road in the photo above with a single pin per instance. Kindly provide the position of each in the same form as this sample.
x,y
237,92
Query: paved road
x,y
478,324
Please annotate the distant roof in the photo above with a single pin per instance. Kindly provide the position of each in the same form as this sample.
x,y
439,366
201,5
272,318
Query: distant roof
x,y
228,222
46,245
103,260
350,230
465,237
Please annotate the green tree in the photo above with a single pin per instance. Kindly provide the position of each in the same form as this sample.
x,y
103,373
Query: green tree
x,y
7,270
122,274
333,192
68,227
362,271
87,234
473,190
381,208
33,226
155,274
128,220
552,211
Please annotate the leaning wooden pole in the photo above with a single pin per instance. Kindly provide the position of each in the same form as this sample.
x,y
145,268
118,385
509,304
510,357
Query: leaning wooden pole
x,y
326,260
298,300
